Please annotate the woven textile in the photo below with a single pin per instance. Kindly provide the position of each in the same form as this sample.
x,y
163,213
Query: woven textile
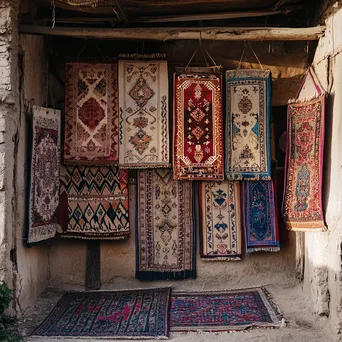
x,y
165,234
44,177
97,202
260,216
248,124
220,220
198,137
91,122
144,117
223,310
302,204
129,314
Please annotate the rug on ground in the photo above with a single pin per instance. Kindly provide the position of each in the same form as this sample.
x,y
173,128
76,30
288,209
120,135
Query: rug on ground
x,y
248,124
96,202
223,310
91,114
44,176
302,204
260,216
220,220
129,314
165,232
198,131
144,117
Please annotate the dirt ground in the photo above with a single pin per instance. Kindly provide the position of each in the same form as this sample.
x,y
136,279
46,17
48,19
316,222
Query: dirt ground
x,y
301,322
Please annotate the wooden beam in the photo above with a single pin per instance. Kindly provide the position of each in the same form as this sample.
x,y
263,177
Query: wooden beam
x,y
178,33
93,278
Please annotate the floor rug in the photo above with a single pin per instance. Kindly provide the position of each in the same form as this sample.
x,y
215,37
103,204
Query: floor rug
x,y
44,175
302,204
144,114
220,220
198,131
248,124
223,310
260,216
131,314
165,232
91,114
96,202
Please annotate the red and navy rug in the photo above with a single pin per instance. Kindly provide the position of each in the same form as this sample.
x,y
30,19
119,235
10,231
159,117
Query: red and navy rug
x,y
223,310
130,314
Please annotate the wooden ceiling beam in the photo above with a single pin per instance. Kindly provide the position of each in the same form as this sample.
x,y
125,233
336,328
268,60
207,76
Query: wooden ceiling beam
x,y
179,33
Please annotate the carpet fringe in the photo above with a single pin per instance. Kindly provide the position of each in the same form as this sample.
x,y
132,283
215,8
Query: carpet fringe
x,y
263,249
222,259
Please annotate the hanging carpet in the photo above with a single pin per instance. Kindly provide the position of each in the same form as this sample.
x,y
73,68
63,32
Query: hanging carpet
x,y
128,314
248,151
144,115
302,203
260,216
220,220
165,232
198,132
44,176
96,202
91,114
223,310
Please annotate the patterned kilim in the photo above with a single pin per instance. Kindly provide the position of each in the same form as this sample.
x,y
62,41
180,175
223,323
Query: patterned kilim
x,y
248,124
220,220
302,204
44,177
165,232
91,122
144,117
97,202
198,132
223,310
129,314
260,216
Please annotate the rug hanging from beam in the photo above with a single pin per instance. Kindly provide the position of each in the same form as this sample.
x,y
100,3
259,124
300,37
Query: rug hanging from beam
x,y
224,310
144,114
302,203
220,220
96,202
260,216
198,132
127,314
44,176
248,124
165,233
91,114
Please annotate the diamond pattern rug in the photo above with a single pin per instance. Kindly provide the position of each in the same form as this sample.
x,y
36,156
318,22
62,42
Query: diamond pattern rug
x,y
130,314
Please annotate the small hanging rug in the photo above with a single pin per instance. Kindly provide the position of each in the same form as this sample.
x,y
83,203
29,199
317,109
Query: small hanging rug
x,y
129,314
224,310
248,124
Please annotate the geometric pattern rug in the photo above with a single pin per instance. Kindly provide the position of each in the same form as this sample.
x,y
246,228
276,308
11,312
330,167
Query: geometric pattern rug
x,y
302,203
248,124
129,314
94,202
224,310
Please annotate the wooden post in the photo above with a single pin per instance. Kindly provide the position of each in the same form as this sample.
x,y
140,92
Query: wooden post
x,y
93,277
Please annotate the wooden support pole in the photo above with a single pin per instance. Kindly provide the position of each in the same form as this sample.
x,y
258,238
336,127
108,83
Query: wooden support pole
x,y
93,279
178,33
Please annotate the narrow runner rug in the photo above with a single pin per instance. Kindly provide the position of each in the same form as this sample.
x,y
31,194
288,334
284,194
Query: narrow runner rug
x,y
223,310
165,233
130,314
44,175
144,116
91,114
248,124
198,131
97,202
260,216
302,204
220,220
